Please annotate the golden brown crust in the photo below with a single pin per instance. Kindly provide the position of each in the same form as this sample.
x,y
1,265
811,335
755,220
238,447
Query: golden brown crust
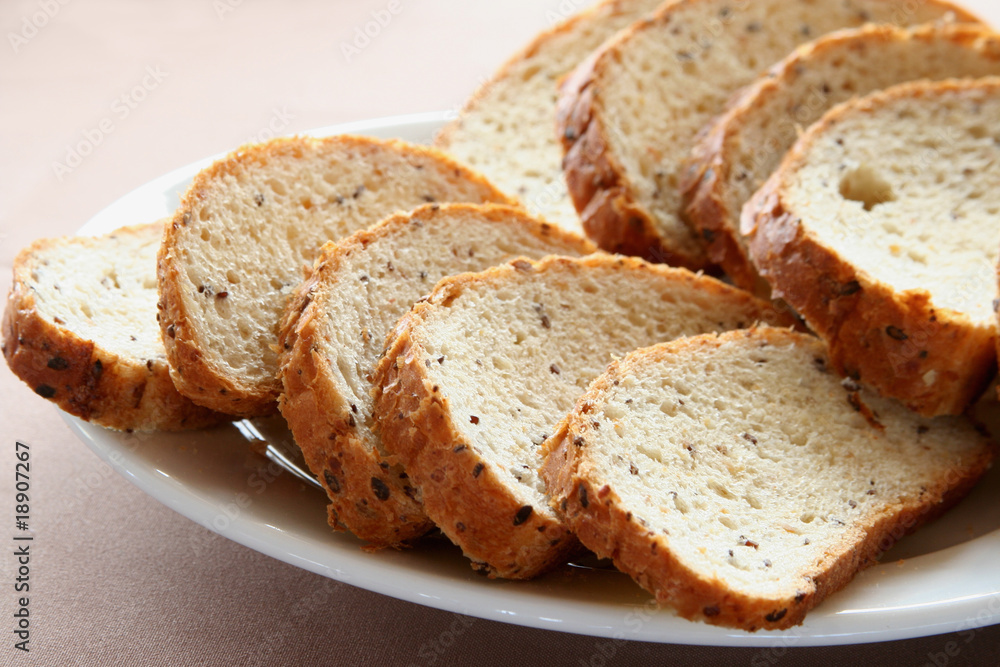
x,y
603,524
598,184
706,174
194,374
889,340
387,512
84,379
471,505
363,497
457,487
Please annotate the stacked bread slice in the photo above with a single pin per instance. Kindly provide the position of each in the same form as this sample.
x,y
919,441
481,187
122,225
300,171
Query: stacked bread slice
x,y
475,380
505,129
882,228
630,113
741,481
80,329
247,229
333,334
741,148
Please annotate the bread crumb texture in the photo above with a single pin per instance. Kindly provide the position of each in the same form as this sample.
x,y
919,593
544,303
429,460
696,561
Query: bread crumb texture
x,y
741,481
248,228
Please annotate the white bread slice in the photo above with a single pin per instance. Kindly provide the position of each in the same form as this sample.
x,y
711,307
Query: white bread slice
x,y
741,482
334,331
629,115
80,329
479,375
507,128
881,228
252,223
745,144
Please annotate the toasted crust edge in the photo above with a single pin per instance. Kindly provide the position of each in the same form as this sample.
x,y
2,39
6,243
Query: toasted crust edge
x,y
193,374
90,382
320,417
602,525
886,339
598,184
706,171
470,505
444,137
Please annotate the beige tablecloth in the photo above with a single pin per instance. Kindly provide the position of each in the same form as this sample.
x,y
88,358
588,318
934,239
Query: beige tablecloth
x,y
153,86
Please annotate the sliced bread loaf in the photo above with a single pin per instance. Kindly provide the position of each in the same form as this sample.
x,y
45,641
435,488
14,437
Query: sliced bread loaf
x,y
248,227
80,329
507,128
881,228
478,376
741,482
629,114
747,142
334,333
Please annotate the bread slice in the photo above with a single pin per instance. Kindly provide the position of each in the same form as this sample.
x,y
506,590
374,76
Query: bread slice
x,y
477,377
334,331
507,128
881,229
252,223
744,145
741,482
629,114
80,329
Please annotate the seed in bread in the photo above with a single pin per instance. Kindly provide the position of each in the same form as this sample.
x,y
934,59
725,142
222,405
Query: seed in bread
x,y
881,229
80,329
334,331
505,129
741,482
476,378
252,223
629,115
746,143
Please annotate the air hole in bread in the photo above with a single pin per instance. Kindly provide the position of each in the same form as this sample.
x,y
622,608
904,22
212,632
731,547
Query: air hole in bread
x,y
978,132
863,184
277,187
502,364
720,490
244,329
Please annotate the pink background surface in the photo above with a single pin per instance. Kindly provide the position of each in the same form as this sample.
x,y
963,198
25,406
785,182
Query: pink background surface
x,y
113,577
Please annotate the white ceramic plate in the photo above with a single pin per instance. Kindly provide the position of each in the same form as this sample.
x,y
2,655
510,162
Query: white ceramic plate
x,y
944,578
